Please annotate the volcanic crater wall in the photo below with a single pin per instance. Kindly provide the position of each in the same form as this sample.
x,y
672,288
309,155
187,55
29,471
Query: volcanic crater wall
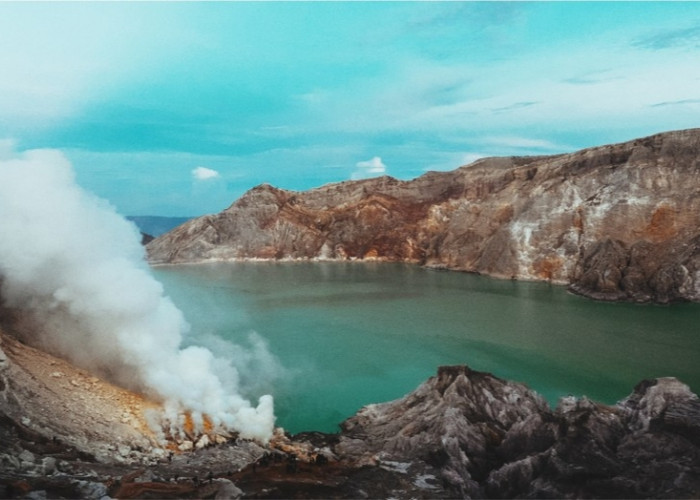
x,y
616,222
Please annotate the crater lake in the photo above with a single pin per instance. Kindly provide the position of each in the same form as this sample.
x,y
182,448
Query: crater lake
x,y
347,334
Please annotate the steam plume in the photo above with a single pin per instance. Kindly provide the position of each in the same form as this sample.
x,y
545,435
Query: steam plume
x,y
77,269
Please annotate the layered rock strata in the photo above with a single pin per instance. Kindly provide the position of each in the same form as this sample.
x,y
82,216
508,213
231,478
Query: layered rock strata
x,y
617,222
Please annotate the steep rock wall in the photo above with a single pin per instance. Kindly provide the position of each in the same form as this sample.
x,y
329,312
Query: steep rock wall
x,y
617,222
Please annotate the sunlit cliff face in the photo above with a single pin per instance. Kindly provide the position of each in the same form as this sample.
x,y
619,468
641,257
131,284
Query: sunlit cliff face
x,y
75,269
615,222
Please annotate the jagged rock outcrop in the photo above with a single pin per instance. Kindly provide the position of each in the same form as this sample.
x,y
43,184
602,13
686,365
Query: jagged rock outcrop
x,y
469,434
617,222
447,430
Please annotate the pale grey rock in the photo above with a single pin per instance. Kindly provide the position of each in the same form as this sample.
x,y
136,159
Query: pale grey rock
x,y
227,490
8,461
91,490
186,446
449,423
54,408
4,366
27,456
202,442
3,359
659,399
146,477
36,495
48,465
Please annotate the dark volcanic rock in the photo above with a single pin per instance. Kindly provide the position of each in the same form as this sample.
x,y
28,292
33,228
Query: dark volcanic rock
x,y
617,222
146,238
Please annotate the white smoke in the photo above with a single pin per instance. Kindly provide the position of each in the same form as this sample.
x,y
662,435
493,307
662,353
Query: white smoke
x,y
77,269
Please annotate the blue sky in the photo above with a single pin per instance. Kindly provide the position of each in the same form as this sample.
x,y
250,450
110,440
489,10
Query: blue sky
x,y
178,108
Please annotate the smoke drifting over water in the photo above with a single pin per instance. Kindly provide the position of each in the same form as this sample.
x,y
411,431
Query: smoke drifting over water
x,y
76,270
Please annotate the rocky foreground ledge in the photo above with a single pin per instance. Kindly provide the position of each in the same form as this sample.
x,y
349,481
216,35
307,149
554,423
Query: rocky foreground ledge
x,y
615,222
470,434
462,433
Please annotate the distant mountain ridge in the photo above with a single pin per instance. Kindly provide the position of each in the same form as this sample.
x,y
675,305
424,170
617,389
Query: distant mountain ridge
x,y
156,225
615,222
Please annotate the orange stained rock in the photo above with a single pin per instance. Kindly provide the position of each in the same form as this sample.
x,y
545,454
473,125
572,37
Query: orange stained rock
x,y
663,224
372,253
188,426
548,267
208,425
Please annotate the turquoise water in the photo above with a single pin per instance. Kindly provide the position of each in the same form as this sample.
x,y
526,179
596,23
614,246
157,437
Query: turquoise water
x,y
349,334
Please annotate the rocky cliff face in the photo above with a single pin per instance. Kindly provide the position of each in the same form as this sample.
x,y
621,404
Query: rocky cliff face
x,y
617,222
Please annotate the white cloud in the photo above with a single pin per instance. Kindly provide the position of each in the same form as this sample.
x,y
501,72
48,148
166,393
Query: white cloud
x,y
369,168
204,173
567,87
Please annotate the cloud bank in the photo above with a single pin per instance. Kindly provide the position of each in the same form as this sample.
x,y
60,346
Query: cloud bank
x,y
76,271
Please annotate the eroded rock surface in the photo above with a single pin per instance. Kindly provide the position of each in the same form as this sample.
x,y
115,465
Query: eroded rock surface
x,y
617,222
470,434
451,425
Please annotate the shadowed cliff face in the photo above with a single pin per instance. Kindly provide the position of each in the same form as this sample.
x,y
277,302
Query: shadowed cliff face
x,y
617,222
